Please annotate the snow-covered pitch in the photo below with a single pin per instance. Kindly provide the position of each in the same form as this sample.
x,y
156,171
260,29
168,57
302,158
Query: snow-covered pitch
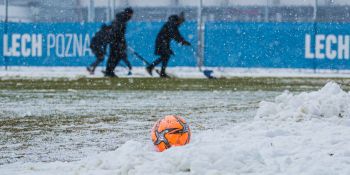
x,y
306,133
32,72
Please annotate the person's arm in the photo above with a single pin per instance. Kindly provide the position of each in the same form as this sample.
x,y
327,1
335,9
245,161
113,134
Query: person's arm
x,y
178,37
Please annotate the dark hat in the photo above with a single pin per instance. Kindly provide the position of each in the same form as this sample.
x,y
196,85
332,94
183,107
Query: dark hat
x,y
129,10
173,18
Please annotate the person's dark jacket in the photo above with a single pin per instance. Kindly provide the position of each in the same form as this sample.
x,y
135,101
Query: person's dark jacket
x,y
169,31
119,29
101,39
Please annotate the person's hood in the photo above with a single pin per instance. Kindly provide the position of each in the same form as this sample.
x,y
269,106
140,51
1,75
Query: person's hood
x,y
177,19
125,16
174,19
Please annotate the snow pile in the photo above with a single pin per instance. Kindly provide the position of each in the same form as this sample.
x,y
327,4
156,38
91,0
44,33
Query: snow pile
x,y
329,102
296,134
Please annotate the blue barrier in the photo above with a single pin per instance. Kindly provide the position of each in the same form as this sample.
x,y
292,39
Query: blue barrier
x,y
67,44
264,45
277,45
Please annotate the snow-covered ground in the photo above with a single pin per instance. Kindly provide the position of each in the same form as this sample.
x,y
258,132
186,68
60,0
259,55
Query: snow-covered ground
x,y
49,125
306,133
182,72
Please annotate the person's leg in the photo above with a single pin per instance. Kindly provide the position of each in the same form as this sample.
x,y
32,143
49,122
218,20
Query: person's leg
x,y
156,62
93,66
165,60
99,55
111,63
127,62
150,67
120,54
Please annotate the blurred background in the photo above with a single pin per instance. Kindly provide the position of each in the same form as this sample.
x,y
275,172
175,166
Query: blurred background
x,y
158,10
224,33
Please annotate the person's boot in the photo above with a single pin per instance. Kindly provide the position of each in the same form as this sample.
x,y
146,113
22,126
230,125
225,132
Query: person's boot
x,y
163,74
110,74
149,69
90,70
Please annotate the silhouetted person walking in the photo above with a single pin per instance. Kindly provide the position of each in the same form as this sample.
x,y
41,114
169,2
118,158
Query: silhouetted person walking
x,y
169,31
118,49
99,44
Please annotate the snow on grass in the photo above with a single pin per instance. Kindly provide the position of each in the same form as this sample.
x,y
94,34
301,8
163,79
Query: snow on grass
x,y
307,133
32,72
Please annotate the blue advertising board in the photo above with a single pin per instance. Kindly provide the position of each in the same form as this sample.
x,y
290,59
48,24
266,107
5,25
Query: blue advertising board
x,y
278,45
67,44
227,44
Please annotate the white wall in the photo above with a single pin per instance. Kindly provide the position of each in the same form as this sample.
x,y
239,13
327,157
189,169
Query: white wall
x,y
342,2
157,3
134,3
16,14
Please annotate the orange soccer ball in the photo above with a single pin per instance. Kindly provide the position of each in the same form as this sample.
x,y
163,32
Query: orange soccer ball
x,y
170,131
